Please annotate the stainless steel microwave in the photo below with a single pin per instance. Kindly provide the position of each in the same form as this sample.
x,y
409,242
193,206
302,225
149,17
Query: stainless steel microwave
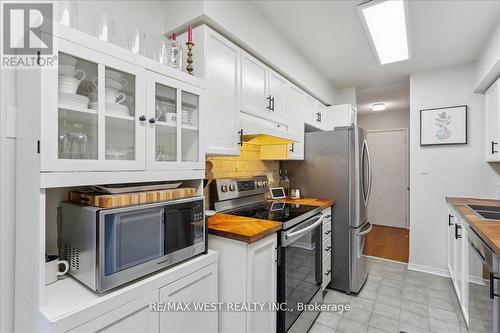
x,y
106,248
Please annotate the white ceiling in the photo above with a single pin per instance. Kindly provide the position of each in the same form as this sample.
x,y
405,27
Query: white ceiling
x,y
330,35
396,97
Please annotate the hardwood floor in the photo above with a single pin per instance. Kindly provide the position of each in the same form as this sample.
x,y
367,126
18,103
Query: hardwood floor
x,y
388,243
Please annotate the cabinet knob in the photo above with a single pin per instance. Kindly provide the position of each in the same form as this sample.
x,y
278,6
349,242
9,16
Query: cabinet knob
x,y
152,120
142,118
493,150
269,106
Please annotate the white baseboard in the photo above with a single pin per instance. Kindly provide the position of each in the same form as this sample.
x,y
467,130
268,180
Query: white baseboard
x,y
430,270
384,259
476,280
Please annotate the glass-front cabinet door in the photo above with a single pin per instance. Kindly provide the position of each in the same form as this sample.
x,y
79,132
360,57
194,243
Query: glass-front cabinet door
x,y
174,119
93,117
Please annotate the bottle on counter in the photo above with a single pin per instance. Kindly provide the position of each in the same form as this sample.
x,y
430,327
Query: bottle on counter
x,y
285,182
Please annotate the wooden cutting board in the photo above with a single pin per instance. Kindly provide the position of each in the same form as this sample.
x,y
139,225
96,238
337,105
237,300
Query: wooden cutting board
x,y
130,199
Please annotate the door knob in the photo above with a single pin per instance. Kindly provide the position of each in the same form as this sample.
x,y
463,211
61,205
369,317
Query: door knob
x,y
142,118
152,120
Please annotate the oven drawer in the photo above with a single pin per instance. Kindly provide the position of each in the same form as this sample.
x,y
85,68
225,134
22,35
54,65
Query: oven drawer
x,y
327,230
327,247
327,271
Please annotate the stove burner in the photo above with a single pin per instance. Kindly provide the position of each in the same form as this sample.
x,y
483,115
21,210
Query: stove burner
x,y
274,211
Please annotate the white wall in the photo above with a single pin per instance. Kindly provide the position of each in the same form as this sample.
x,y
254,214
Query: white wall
x,y
384,120
7,202
346,96
241,23
488,64
453,170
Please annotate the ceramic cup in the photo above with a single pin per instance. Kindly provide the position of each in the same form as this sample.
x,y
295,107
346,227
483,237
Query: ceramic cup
x,y
295,193
53,269
114,96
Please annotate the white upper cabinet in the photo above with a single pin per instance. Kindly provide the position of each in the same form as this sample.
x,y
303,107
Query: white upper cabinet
x,y
222,61
254,99
263,91
492,123
95,114
278,92
173,124
92,107
295,109
342,115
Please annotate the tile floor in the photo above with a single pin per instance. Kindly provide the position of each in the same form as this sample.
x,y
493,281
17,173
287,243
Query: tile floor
x,y
395,299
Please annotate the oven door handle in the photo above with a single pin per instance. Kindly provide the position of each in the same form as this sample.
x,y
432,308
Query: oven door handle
x,y
306,229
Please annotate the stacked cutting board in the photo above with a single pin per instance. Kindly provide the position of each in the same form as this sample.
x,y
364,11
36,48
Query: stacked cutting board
x,y
130,199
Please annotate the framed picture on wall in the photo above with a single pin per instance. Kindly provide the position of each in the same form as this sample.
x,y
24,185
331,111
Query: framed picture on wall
x,y
443,126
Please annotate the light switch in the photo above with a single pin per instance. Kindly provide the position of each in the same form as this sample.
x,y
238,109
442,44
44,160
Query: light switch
x,y
423,168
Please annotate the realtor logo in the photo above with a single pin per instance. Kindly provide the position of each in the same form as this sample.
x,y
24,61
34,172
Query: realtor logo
x,y
23,24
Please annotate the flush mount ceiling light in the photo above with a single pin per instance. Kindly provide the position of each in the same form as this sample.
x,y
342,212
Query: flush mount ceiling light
x,y
386,23
378,107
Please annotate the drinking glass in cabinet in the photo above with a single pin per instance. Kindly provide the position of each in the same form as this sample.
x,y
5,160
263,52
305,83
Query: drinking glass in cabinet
x,y
189,127
120,114
77,122
165,123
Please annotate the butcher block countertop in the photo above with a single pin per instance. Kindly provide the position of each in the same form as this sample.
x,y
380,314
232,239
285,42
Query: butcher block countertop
x,y
488,230
308,201
249,230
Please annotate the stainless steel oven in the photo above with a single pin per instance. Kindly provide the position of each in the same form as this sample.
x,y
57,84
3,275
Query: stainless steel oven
x,y
483,304
109,247
300,273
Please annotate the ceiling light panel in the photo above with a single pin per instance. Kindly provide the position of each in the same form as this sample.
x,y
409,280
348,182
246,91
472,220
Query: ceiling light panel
x,y
386,23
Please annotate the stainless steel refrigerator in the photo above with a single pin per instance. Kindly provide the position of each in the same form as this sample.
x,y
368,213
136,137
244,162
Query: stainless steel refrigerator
x,y
337,166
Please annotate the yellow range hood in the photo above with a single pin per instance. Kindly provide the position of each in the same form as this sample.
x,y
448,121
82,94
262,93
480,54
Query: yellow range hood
x,y
265,140
261,132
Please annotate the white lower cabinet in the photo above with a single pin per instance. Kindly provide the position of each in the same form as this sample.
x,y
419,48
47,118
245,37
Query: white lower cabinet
x,y
197,287
132,317
458,258
247,273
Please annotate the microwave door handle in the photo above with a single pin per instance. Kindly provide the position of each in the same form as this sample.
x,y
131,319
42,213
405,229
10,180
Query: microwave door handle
x,y
305,230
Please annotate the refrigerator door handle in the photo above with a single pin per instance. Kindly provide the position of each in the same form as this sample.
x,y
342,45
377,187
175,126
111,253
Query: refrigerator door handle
x,y
362,233
370,172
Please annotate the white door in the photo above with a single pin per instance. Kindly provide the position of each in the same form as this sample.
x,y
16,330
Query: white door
x,y
278,93
254,87
295,112
222,78
388,205
174,115
130,318
492,123
198,287
91,113
451,242
261,283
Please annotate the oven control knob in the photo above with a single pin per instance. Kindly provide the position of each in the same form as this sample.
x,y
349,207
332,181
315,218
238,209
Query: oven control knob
x,y
260,184
223,188
232,187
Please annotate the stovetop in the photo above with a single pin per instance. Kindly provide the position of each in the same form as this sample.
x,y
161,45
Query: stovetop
x,y
274,211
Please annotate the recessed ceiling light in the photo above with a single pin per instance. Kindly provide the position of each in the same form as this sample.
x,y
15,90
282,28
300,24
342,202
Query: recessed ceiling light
x,y
378,107
386,23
